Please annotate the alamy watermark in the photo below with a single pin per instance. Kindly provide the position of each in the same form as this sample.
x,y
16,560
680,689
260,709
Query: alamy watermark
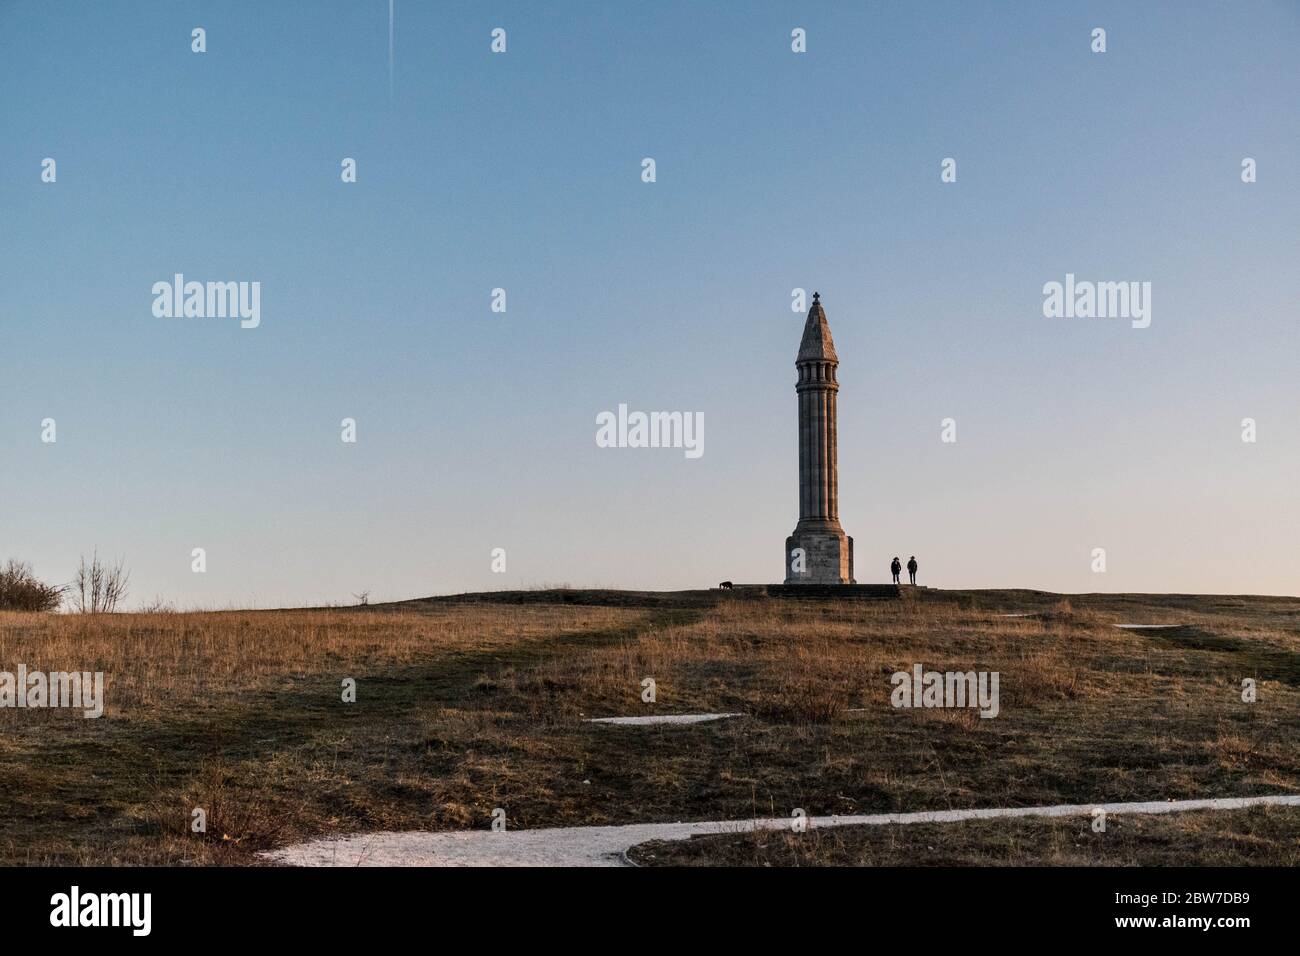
x,y
36,689
1098,300
211,300
651,430
130,910
922,688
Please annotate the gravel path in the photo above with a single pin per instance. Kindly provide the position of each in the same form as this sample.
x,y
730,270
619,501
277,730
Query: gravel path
x,y
606,846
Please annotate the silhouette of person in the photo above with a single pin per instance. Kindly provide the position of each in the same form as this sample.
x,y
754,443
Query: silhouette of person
x,y
911,568
895,568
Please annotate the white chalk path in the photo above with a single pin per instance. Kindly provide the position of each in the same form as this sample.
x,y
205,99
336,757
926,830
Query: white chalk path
x,y
1127,627
608,846
660,719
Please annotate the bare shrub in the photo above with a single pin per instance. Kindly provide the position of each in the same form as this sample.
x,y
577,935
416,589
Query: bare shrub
x,y
99,587
21,591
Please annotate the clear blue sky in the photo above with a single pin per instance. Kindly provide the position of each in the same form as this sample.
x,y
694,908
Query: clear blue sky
x,y
775,170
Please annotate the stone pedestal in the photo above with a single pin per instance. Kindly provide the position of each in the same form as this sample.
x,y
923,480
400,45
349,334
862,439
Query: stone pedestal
x,y
828,558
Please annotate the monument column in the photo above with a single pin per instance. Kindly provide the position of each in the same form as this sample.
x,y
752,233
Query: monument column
x,y
819,552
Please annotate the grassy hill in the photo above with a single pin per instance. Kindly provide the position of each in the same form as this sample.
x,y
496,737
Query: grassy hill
x,y
472,702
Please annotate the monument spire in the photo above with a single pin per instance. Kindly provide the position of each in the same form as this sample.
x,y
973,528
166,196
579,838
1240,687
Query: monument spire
x,y
817,344
819,552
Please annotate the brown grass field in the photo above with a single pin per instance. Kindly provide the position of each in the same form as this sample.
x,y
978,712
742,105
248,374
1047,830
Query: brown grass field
x,y
469,704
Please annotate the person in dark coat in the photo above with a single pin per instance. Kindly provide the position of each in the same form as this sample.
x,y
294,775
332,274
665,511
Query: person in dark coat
x,y
911,568
896,568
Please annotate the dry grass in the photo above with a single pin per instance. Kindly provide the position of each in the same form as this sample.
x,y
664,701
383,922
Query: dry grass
x,y
463,707
1261,836
173,660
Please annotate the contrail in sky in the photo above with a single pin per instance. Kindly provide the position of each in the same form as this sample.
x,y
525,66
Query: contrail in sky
x,y
390,48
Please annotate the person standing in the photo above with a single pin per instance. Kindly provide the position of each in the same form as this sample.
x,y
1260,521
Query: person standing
x,y
896,568
911,568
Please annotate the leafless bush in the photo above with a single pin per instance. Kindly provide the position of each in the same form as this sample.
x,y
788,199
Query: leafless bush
x,y
21,591
99,587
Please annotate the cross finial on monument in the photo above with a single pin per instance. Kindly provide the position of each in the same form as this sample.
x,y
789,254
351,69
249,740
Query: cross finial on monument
x,y
817,296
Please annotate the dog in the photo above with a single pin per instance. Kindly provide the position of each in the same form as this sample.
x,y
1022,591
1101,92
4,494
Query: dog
x,y
726,585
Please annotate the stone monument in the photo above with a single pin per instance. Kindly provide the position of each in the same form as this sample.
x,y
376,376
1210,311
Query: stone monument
x,y
819,552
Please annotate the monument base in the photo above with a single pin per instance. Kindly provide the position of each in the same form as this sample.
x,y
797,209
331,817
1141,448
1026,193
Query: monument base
x,y
827,558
